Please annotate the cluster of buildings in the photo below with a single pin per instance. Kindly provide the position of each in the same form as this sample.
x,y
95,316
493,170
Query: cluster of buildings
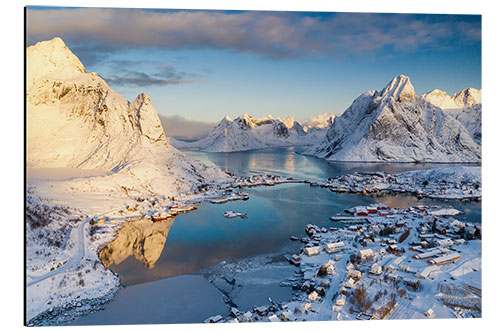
x,y
390,257
373,182
261,180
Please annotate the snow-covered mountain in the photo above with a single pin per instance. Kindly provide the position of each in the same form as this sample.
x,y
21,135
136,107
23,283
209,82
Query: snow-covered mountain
x,y
396,125
247,133
465,106
466,98
75,120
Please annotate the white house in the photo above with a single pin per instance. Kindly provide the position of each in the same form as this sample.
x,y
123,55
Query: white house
x,y
445,242
310,251
355,274
330,267
334,247
273,318
350,283
376,269
365,253
446,259
341,300
313,296
424,274
430,254
287,316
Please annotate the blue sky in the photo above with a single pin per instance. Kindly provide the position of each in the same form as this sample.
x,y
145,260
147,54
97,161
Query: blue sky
x,y
204,65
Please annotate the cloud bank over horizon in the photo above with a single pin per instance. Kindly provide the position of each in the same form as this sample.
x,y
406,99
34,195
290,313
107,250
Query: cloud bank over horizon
x,y
181,128
275,35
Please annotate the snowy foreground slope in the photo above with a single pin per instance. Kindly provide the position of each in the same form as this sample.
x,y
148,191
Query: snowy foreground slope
x,y
396,125
74,120
247,133
90,152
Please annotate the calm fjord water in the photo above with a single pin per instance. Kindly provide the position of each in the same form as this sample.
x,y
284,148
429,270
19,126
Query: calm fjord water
x,y
167,289
204,237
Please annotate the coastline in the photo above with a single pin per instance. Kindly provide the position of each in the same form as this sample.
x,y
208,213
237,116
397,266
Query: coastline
x,y
108,233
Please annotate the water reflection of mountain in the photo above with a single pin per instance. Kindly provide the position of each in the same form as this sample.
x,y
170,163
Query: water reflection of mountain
x,y
286,161
142,239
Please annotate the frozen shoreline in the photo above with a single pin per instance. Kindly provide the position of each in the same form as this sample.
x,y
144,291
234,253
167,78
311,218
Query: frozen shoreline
x,y
375,271
76,210
460,183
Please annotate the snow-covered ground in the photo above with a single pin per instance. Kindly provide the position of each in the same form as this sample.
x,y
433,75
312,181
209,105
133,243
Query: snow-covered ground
x,y
458,182
68,223
376,272
68,226
63,270
65,277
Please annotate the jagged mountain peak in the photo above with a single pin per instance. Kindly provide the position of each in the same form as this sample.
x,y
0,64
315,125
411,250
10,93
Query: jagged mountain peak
x,y
148,121
400,89
245,116
440,99
245,121
75,120
397,126
289,121
52,56
468,97
143,98
437,92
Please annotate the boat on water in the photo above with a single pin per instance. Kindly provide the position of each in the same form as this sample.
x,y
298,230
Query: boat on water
x,y
231,214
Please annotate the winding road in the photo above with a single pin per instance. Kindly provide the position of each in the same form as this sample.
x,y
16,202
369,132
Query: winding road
x,y
73,263
77,257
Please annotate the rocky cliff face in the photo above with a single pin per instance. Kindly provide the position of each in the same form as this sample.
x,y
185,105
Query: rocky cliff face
x,y
74,119
396,125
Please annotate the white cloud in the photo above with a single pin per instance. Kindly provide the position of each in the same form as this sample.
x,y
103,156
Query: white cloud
x,y
271,34
181,128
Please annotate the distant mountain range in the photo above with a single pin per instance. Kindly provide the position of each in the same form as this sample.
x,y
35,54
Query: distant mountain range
x,y
75,120
248,133
396,125
465,107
